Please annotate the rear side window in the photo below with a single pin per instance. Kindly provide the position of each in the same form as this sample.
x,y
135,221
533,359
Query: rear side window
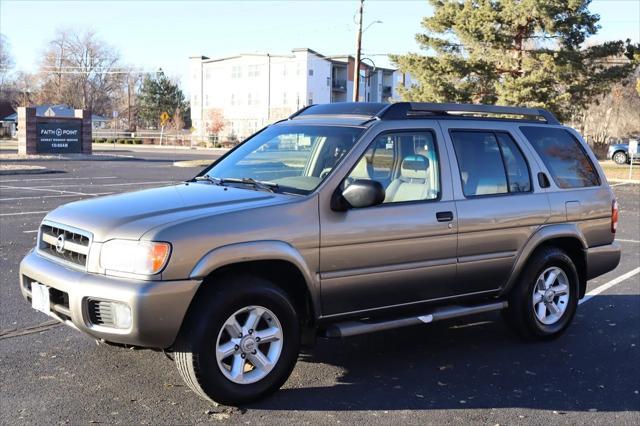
x,y
490,163
564,156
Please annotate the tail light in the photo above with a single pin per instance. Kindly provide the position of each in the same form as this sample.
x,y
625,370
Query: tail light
x,y
614,216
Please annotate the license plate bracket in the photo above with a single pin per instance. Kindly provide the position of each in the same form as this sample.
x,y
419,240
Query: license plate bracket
x,y
40,300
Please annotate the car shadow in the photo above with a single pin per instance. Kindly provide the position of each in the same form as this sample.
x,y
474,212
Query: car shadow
x,y
476,363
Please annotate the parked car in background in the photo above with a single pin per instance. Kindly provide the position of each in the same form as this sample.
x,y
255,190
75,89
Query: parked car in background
x,y
619,153
386,216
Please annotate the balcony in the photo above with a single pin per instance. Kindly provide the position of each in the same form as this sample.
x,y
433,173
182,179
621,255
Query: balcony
x,y
339,85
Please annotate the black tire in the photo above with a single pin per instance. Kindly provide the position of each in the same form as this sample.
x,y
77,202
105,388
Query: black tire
x,y
520,314
195,346
620,157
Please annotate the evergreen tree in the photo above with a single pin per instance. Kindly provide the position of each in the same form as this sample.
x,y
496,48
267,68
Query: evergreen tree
x,y
513,52
159,94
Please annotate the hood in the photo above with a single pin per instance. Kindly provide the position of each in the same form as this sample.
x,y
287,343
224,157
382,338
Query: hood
x,y
131,214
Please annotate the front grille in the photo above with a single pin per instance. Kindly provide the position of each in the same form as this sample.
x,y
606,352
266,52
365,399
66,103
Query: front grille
x,y
69,245
100,313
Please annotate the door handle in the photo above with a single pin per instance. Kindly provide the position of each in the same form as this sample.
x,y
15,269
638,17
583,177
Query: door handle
x,y
444,216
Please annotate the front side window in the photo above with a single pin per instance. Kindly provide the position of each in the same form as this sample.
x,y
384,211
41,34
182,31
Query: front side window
x,y
405,163
564,156
295,157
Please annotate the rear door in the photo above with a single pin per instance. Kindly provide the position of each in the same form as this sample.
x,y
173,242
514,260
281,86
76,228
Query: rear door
x,y
499,203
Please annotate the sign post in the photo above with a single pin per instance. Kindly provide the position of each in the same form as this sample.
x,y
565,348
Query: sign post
x,y
164,117
633,151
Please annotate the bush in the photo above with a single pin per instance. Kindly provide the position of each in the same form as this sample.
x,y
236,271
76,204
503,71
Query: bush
x,y
123,141
129,141
137,141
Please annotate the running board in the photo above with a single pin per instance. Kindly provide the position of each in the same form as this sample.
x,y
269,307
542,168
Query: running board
x,y
353,328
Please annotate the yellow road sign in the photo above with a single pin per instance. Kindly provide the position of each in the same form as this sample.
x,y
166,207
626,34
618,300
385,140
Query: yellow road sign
x,y
164,117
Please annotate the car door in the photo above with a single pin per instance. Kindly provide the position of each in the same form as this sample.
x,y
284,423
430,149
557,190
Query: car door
x,y
402,251
499,205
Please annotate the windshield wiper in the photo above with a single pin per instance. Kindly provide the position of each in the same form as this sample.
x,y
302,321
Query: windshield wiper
x,y
257,184
208,178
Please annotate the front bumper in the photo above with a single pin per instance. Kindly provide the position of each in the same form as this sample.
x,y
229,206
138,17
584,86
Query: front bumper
x,y
157,307
602,259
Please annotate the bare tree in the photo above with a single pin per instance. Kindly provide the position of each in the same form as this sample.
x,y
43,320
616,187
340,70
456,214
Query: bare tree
x,y
82,71
6,64
614,115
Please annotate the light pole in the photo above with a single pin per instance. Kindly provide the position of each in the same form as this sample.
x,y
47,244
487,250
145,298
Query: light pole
x,y
356,70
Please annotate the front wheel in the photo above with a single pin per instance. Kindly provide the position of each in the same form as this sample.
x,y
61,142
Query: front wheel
x,y
544,301
620,158
240,341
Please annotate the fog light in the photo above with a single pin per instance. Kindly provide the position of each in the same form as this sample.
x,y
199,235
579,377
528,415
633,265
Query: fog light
x,y
121,314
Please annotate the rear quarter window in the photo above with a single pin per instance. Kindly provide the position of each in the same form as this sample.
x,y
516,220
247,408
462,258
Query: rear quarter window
x,y
564,156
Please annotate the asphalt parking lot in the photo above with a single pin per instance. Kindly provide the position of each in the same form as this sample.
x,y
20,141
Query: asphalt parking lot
x,y
470,371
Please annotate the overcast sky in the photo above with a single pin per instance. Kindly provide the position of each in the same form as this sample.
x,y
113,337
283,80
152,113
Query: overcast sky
x,y
154,34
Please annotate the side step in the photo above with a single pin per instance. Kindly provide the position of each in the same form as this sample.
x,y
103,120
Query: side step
x,y
353,328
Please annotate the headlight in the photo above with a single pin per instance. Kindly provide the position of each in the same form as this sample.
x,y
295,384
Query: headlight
x,y
137,257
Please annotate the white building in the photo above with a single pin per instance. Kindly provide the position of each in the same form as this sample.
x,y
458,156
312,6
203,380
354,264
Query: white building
x,y
250,91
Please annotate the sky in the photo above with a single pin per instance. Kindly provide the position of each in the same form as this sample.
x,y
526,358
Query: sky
x,y
163,34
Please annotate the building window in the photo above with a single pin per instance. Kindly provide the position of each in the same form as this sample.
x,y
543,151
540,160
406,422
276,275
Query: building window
x,y
284,70
310,73
284,98
207,75
236,72
328,81
310,99
253,71
249,99
233,99
206,100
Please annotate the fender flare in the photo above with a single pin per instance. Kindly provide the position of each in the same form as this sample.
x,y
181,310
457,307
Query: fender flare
x,y
257,251
541,236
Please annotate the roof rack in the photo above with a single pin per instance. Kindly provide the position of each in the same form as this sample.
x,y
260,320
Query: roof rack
x,y
404,110
359,109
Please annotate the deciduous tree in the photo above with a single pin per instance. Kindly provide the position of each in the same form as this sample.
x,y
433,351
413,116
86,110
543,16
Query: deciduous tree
x,y
82,71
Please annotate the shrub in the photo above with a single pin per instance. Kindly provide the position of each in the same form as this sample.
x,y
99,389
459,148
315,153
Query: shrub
x,y
137,141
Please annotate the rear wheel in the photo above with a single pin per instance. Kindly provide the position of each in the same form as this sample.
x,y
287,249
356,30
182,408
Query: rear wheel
x,y
239,342
620,157
543,302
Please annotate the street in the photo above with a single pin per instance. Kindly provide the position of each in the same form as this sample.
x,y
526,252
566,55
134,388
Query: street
x,y
456,372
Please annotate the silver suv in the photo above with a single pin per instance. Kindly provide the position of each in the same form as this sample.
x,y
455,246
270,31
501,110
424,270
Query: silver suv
x,y
343,219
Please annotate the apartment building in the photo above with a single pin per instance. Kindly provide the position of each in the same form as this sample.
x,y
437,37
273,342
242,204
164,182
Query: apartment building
x,y
249,91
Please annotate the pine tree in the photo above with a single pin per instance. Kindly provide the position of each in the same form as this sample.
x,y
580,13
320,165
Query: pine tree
x,y
513,52
159,94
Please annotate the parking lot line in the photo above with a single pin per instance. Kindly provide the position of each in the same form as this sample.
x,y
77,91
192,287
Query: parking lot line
x,y
30,232
606,286
53,196
99,184
59,178
627,241
24,213
43,189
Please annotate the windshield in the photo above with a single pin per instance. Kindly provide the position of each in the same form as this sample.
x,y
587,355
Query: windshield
x,y
295,157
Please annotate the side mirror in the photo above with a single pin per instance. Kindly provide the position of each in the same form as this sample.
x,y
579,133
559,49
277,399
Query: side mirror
x,y
360,193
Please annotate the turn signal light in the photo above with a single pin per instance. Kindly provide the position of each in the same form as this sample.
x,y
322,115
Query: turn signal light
x,y
614,216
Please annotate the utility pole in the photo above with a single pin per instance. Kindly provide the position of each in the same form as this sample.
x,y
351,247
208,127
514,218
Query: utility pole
x,y
356,69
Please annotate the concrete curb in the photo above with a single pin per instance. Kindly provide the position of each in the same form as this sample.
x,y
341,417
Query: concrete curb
x,y
193,163
14,158
631,181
